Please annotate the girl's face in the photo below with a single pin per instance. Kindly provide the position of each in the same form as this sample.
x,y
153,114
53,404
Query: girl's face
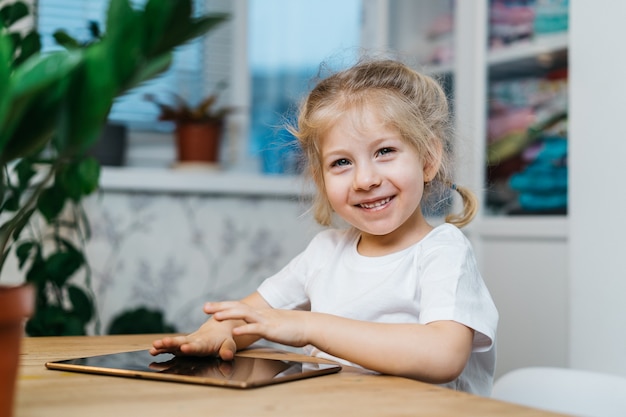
x,y
375,181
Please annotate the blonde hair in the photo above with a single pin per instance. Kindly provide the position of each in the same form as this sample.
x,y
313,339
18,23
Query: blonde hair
x,y
412,103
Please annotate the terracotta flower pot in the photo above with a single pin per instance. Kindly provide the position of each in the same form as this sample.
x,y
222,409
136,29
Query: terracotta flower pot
x,y
198,142
16,304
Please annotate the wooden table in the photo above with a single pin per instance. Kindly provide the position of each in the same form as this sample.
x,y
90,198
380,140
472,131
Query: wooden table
x,y
42,392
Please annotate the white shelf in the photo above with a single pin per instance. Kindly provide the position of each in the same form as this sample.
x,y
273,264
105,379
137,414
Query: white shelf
x,y
537,47
540,48
524,227
212,182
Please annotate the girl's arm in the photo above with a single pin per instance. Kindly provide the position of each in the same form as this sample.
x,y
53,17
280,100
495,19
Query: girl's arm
x,y
435,352
213,337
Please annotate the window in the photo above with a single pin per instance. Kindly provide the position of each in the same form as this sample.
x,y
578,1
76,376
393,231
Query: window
x,y
286,41
74,16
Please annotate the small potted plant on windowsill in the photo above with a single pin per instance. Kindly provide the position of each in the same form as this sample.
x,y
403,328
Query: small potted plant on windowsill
x,y
199,128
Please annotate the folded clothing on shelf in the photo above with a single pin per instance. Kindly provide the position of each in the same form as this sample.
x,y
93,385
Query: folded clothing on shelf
x,y
522,110
542,184
512,21
551,16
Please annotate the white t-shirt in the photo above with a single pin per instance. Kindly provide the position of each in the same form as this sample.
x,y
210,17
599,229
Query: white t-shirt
x,y
435,279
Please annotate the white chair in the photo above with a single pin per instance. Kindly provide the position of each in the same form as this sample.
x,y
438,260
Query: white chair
x,y
564,390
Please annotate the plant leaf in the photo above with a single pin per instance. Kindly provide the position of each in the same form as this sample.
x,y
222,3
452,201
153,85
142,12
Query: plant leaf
x,y
25,172
29,46
53,320
23,252
51,202
6,52
170,24
155,17
73,326
138,321
182,32
88,170
35,92
124,41
60,266
79,179
65,40
37,272
88,101
11,200
12,13
21,223
81,303
149,70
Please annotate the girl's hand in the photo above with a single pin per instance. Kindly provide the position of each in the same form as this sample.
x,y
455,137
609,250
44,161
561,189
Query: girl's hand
x,y
211,338
287,327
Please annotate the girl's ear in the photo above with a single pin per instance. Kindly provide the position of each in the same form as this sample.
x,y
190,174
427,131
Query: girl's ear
x,y
432,162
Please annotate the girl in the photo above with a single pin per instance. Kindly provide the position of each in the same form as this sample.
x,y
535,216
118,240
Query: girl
x,y
391,293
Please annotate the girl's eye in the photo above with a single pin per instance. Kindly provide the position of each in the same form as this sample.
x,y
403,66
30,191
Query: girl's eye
x,y
385,151
340,163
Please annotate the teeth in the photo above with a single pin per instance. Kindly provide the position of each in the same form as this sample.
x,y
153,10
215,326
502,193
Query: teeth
x,y
376,204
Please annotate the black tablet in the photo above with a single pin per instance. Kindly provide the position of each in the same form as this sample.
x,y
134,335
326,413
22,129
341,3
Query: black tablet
x,y
241,372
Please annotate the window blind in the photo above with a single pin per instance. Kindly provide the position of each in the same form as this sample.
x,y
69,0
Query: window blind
x,y
185,77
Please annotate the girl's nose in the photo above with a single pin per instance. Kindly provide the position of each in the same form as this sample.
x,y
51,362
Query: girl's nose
x,y
366,177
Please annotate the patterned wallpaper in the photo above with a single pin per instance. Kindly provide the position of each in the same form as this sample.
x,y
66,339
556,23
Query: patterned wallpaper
x,y
175,251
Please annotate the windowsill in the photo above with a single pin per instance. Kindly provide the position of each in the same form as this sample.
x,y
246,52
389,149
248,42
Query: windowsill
x,y
206,181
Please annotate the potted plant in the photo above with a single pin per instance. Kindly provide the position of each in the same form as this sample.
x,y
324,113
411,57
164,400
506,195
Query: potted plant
x,y
198,128
52,109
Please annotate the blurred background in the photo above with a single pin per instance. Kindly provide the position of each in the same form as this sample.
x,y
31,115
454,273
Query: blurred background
x,y
170,234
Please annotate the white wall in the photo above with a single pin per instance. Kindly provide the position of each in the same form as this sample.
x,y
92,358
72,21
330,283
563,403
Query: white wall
x,y
597,257
529,292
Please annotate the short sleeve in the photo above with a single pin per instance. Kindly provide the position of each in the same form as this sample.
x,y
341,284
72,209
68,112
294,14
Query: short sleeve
x,y
452,287
287,289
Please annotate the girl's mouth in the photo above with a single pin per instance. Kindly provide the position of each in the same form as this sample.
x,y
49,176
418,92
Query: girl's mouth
x,y
375,204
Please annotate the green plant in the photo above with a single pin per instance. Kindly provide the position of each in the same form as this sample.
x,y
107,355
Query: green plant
x,y
179,110
52,108
141,320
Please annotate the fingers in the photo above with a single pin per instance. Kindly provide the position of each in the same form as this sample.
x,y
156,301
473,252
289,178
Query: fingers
x,y
250,329
231,310
211,338
253,321
227,350
213,308
167,345
183,345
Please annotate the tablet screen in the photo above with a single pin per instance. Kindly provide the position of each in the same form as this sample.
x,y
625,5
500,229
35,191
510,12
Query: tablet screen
x,y
241,372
